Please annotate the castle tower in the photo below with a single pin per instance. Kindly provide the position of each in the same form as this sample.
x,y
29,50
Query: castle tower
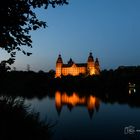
x,y
70,62
59,64
97,66
90,64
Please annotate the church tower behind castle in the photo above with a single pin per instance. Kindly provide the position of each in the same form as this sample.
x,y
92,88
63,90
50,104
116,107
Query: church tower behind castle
x,y
74,69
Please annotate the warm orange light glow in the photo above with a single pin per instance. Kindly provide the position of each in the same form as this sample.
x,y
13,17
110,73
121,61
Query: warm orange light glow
x,y
63,99
58,99
73,99
74,69
91,102
92,71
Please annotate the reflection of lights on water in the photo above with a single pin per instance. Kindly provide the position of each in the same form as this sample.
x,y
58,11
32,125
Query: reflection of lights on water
x,y
132,88
64,99
131,85
131,91
90,102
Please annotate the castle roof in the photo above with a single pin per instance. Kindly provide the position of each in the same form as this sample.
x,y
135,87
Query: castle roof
x,y
81,64
90,58
59,59
66,65
77,64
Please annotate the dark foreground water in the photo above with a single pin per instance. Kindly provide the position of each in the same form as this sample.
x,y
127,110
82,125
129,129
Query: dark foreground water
x,y
86,117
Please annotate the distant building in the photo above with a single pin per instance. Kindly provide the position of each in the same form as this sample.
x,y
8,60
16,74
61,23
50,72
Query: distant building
x,y
90,68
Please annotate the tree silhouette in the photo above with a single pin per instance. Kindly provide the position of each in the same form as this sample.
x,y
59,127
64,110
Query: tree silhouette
x,y
19,121
17,20
4,67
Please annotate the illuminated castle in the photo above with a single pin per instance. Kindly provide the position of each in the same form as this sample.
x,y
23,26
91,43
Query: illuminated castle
x,y
90,68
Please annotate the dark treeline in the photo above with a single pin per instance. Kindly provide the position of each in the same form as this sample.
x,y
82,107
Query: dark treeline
x,y
25,83
107,81
113,82
110,86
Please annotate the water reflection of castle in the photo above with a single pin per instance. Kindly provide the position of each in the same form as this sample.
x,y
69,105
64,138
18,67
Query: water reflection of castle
x,y
92,103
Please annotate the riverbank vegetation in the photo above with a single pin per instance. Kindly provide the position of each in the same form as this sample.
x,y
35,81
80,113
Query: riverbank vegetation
x,y
27,82
19,121
121,85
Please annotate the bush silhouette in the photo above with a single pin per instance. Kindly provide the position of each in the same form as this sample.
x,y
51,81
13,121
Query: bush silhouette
x,y
18,121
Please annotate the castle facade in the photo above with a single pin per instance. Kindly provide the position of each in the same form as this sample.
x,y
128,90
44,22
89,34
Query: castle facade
x,y
71,68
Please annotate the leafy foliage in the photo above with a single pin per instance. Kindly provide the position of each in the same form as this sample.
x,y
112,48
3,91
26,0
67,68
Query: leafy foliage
x,y
17,20
4,67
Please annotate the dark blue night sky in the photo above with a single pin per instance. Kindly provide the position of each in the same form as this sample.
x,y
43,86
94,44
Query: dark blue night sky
x,y
108,28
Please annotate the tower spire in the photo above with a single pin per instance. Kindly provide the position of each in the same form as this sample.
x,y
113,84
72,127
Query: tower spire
x,y
59,59
90,58
97,62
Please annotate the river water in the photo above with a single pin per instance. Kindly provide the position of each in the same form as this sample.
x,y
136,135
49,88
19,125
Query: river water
x,y
87,117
